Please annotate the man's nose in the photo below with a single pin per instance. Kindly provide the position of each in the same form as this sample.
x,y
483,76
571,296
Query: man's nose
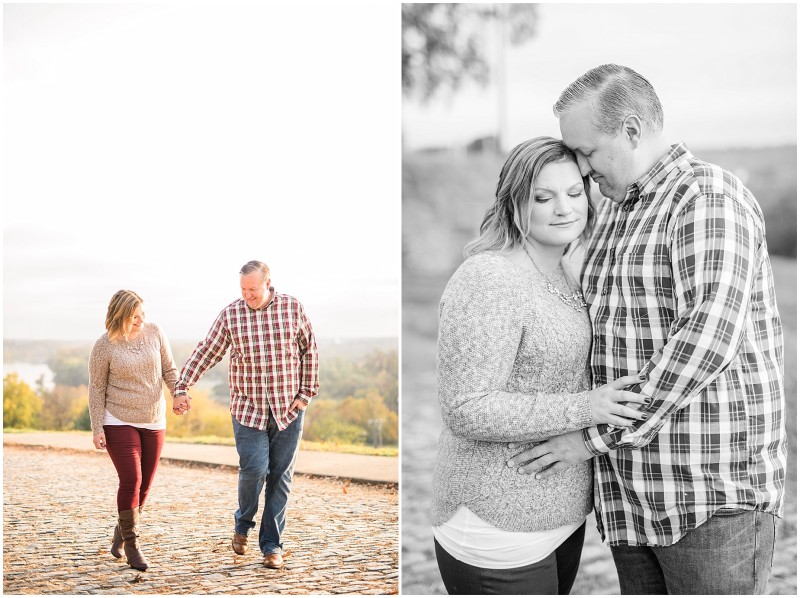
x,y
583,164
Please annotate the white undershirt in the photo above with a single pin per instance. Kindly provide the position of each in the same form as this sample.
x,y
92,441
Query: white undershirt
x,y
110,420
471,540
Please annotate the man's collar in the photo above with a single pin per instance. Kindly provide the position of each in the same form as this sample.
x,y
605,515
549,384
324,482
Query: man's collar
x,y
647,183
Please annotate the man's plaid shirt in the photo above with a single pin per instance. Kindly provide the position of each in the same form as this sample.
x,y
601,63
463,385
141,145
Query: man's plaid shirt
x,y
679,286
273,360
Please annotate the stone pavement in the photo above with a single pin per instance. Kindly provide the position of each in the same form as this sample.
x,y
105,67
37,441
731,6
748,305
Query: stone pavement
x,y
357,468
421,422
59,508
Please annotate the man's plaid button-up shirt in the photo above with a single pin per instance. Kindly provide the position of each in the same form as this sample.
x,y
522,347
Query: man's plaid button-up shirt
x,y
273,360
680,286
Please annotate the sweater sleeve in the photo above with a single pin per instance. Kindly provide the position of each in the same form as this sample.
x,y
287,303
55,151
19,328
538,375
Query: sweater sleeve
x,y
169,371
99,362
481,323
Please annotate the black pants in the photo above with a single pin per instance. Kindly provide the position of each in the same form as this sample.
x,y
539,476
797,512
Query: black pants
x,y
554,574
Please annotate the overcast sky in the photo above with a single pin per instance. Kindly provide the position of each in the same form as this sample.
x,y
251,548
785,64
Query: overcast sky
x,y
160,147
726,73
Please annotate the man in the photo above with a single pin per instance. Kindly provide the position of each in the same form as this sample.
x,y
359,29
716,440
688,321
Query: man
x,y
680,290
273,377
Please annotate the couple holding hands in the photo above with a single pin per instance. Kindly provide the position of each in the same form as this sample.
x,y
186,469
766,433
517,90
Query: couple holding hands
x,y
273,375
651,390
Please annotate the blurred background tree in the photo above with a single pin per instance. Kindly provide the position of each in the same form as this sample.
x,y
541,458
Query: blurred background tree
x,y
21,405
357,405
445,45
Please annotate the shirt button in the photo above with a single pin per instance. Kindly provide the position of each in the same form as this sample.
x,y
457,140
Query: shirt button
x,y
604,292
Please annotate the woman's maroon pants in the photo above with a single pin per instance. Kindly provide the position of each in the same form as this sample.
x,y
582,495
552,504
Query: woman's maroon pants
x,y
135,453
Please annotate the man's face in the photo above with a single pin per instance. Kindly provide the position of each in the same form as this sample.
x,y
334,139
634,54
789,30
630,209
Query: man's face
x,y
255,290
607,159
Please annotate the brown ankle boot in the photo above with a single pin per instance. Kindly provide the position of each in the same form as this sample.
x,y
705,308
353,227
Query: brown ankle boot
x,y
129,529
117,543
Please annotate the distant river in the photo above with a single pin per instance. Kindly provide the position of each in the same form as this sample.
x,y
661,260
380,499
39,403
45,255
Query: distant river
x,y
30,373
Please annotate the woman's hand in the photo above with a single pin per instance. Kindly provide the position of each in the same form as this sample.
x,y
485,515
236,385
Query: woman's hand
x,y
606,402
181,405
99,441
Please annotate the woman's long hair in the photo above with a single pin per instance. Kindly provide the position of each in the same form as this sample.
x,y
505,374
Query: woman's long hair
x,y
507,223
120,311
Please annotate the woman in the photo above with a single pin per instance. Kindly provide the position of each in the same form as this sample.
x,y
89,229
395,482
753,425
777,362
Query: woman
x,y
514,338
128,411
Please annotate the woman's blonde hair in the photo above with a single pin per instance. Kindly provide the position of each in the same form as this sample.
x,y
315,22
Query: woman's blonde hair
x,y
507,223
120,311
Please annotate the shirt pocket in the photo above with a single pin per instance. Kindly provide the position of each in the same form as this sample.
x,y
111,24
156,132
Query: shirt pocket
x,y
644,280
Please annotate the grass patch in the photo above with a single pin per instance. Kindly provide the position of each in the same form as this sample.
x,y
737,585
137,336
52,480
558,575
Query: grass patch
x,y
306,445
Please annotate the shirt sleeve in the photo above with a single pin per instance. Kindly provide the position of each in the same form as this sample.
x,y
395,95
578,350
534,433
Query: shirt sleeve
x,y
99,362
716,251
206,355
309,360
480,328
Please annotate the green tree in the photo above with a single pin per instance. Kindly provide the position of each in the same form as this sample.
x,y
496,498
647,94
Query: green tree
x,y
70,366
63,407
21,405
323,423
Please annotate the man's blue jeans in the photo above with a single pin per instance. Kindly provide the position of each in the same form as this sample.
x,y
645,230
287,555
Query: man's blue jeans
x,y
265,457
731,553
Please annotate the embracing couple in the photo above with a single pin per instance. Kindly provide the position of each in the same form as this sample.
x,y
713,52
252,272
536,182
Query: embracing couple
x,y
273,374
655,384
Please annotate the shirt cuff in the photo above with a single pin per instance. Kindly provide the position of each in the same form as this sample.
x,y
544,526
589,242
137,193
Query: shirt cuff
x,y
596,442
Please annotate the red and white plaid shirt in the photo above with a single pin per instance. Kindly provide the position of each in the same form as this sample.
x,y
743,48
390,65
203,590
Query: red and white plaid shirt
x,y
273,360
679,285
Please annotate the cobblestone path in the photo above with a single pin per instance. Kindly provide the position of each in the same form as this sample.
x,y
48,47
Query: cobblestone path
x,y
59,513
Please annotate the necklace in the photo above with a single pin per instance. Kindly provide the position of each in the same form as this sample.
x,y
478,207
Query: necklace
x,y
575,301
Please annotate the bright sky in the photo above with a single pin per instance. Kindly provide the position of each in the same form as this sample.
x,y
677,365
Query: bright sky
x,y
726,73
160,147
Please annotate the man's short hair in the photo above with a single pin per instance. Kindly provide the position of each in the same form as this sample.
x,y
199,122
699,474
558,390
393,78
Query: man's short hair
x,y
615,92
255,266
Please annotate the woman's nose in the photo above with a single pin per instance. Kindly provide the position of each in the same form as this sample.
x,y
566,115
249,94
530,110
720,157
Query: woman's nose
x,y
563,206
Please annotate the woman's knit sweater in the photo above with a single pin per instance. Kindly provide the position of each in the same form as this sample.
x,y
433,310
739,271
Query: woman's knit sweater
x,y
125,378
512,358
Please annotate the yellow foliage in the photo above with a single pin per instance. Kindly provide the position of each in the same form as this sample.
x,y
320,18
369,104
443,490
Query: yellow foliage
x,y
206,418
21,405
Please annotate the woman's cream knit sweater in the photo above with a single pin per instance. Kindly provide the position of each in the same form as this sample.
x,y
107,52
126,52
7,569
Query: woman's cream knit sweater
x,y
512,358
125,377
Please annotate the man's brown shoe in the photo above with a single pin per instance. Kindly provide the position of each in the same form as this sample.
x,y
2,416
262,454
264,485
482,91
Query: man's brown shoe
x,y
273,560
239,543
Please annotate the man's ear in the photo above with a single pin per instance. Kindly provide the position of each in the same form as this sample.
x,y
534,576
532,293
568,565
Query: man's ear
x,y
632,129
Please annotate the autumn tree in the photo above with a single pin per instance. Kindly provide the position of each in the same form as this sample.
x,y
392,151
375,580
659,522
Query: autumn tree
x,y
64,407
21,405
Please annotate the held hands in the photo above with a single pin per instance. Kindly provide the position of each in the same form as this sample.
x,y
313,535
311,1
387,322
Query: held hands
x,y
99,441
181,404
607,402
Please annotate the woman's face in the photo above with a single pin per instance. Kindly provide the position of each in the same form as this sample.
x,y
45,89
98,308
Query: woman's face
x,y
136,321
559,206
